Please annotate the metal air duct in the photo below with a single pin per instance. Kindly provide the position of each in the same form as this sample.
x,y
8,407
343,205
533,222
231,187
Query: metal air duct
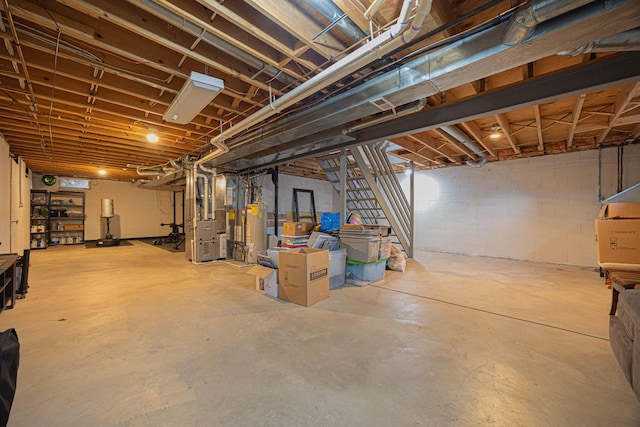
x,y
399,34
463,61
465,140
337,17
621,42
524,21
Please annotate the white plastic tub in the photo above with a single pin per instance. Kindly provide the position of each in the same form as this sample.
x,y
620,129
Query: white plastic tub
x,y
337,268
360,248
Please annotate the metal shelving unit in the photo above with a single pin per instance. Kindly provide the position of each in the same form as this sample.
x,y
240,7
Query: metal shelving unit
x,y
66,218
39,230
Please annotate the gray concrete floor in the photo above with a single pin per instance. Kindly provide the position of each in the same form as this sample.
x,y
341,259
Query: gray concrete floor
x,y
138,336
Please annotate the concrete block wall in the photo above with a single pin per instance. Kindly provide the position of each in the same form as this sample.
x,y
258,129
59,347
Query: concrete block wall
x,y
138,211
537,209
322,190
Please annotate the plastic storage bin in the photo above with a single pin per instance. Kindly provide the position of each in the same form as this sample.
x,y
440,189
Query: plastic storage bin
x,y
329,221
360,248
363,273
337,268
273,254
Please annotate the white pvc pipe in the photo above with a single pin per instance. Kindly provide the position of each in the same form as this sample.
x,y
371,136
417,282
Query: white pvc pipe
x,y
376,48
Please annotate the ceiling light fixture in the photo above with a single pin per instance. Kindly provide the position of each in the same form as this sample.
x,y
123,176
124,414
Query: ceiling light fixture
x,y
102,172
151,136
196,93
495,134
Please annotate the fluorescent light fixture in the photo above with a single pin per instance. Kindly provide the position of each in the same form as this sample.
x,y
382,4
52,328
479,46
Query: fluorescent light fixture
x,y
198,91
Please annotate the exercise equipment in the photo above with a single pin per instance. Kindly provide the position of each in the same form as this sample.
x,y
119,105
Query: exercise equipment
x,y
174,237
106,212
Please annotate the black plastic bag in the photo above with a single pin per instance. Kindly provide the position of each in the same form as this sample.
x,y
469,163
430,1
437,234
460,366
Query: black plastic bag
x,y
9,361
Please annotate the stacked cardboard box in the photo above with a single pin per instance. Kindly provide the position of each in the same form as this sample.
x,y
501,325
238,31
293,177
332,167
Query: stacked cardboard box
x,y
618,233
303,276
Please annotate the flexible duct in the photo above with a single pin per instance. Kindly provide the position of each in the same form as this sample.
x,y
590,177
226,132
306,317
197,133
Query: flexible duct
x,y
524,21
399,34
621,42
163,171
476,163
150,171
465,140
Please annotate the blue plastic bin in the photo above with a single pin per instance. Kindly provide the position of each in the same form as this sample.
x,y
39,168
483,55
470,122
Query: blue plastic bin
x,y
329,221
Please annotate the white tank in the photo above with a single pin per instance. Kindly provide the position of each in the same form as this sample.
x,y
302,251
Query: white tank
x,y
107,208
256,231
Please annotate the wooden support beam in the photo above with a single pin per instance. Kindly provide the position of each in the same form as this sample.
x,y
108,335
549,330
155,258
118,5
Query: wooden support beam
x,y
411,156
295,22
626,94
426,145
577,110
416,148
504,124
536,110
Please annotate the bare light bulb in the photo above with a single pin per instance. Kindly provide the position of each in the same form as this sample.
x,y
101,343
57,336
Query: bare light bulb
x,y
152,137
102,172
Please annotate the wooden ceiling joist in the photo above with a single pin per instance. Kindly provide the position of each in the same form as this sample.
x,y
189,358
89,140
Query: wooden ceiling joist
x,y
623,100
577,110
504,124
536,111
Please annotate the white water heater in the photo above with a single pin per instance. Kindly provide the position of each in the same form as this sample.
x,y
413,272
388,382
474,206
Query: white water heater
x,y
256,231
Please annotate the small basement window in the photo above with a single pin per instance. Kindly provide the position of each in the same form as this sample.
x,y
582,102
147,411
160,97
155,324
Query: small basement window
x,y
75,183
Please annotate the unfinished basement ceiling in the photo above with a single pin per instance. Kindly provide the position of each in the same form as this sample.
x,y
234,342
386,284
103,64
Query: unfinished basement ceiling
x,y
83,82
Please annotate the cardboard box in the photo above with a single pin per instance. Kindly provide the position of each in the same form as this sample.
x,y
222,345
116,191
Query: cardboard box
x,y
266,280
297,228
74,227
303,275
620,210
618,240
381,230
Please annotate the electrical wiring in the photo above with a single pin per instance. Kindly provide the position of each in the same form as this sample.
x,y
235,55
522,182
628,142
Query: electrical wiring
x,y
46,39
53,90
